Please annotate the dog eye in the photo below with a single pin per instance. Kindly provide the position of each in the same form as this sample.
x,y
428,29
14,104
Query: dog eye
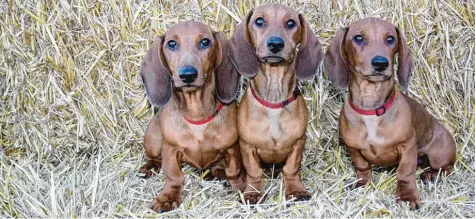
x,y
291,23
390,40
172,45
205,43
259,22
358,39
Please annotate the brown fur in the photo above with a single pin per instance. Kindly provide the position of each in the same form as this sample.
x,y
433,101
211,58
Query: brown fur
x,y
273,135
170,140
406,132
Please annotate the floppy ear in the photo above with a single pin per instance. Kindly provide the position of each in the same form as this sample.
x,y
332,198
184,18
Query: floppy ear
x,y
335,62
405,61
241,53
155,76
310,52
226,76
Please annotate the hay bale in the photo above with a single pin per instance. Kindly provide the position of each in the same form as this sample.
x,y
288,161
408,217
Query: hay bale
x,y
73,109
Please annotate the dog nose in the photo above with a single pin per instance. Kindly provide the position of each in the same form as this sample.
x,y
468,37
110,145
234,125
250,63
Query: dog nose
x,y
275,44
188,74
380,63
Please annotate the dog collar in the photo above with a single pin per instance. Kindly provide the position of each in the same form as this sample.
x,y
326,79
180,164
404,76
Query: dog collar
x,y
265,103
208,119
379,111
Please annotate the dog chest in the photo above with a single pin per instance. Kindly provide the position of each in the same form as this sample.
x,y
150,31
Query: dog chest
x,y
371,124
273,132
275,129
365,134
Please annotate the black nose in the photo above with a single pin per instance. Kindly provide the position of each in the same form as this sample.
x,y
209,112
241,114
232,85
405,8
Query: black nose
x,y
275,44
188,74
380,63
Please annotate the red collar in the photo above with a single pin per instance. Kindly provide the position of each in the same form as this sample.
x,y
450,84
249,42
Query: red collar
x,y
379,111
265,103
208,119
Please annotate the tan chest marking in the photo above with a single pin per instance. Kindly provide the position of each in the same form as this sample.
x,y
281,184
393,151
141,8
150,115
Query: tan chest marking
x,y
371,125
275,131
198,131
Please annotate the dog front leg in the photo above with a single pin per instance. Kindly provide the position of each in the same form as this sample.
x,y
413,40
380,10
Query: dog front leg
x,y
406,185
171,196
254,177
363,169
152,146
292,173
234,168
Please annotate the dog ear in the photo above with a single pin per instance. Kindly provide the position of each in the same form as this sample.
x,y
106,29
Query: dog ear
x,y
226,76
335,61
241,53
155,76
405,61
310,52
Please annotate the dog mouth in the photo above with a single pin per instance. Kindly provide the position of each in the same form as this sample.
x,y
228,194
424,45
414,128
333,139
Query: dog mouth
x,y
273,59
186,87
376,77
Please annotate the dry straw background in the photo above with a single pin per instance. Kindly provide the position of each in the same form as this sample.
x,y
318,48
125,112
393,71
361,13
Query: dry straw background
x,y
73,110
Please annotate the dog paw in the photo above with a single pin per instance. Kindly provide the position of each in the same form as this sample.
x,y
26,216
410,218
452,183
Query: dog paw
x,y
354,185
298,195
252,197
163,204
410,195
360,183
415,203
238,185
429,176
147,168
238,182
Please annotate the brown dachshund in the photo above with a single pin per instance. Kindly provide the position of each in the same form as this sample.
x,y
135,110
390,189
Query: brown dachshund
x,y
274,46
187,74
379,124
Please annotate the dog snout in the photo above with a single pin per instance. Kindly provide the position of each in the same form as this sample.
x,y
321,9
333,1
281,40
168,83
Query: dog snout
x,y
380,63
275,44
188,74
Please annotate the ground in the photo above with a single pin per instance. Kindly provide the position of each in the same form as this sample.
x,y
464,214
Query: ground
x,y
73,110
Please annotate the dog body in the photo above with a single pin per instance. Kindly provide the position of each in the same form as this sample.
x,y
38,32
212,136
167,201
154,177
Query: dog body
x,y
273,131
198,145
379,124
272,116
186,75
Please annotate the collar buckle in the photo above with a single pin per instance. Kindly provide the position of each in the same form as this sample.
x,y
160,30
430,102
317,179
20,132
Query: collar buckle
x,y
380,111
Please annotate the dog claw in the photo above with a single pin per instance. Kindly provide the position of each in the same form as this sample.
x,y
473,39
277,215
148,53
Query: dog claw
x,y
410,196
147,168
299,196
162,206
428,176
252,198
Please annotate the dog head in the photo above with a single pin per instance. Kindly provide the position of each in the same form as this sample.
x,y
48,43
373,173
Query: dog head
x,y
271,34
184,57
367,49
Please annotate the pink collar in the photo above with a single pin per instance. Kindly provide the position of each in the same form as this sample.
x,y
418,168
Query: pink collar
x,y
378,111
208,119
265,103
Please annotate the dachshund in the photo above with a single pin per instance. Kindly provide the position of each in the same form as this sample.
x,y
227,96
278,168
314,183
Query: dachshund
x,y
275,47
187,74
378,123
